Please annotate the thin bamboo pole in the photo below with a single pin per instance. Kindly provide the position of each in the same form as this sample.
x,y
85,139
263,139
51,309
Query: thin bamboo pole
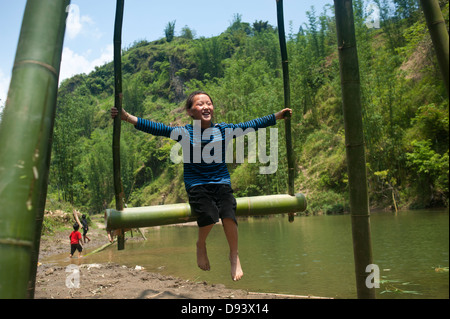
x,y
268,294
287,99
181,213
76,215
354,139
25,143
439,35
98,249
118,187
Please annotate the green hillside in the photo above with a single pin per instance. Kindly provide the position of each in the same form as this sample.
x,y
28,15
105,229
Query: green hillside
x,y
404,99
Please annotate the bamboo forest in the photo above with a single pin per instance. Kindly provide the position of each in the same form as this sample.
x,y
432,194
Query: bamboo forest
x,y
405,112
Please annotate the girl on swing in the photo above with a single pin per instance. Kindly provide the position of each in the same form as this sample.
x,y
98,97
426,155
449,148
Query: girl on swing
x,y
207,183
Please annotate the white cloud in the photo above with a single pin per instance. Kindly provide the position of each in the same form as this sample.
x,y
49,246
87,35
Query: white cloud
x,y
73,63
77,24
80,30
73,24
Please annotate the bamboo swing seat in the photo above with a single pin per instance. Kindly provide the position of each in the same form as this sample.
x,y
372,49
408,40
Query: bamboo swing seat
x,y
181,213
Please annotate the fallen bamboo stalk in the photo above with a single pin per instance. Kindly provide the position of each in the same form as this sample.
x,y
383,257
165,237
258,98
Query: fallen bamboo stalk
x,y
142,233
100,249
155,295
287,296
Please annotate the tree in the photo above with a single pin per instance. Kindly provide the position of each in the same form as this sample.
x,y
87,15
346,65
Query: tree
x,y
261,26
187,33
210,54
313,30
170,31
431,170
407,10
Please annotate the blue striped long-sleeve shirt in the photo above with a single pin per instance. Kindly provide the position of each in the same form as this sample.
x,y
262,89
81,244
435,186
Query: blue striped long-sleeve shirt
x,y
204,149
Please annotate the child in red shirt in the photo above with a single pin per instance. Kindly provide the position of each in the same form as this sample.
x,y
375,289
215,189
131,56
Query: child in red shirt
x,y
75,238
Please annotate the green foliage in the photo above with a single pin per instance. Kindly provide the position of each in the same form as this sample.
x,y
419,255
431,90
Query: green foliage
x,y
170,31
405,112
431,170
187,33
328,202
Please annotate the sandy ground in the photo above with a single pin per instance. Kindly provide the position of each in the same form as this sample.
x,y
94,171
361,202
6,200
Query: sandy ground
x,y
114,281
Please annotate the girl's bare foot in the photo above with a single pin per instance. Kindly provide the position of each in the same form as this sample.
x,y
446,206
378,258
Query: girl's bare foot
x,y
202,257
236,270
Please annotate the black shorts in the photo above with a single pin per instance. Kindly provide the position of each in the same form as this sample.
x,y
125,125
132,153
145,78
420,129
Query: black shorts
x,y
210,202
74,247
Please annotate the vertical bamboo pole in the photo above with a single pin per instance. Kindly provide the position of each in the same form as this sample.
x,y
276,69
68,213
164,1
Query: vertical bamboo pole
x,y
25,143
439,35
287,100
354,139
118,188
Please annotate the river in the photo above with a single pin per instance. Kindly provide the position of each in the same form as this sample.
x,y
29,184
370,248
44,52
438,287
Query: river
x,y
312,256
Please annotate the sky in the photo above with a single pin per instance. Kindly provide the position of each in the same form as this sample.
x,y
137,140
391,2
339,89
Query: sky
x,y
90,26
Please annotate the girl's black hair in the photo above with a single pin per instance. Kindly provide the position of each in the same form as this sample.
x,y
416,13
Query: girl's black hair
x,y
190,99
76,226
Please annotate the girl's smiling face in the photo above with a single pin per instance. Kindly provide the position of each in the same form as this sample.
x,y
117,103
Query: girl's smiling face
x,y
202,109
